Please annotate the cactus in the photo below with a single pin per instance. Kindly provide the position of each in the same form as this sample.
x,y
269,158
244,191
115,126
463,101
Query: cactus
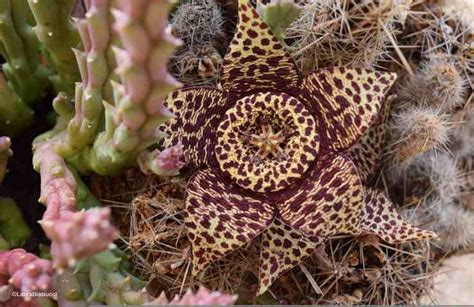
x,y
137,106
5,153
131,123
13,228
200,25
102,279
26,272
20,48
166,163
78,235
201,297
131,118
74,234
279,14
94,69
58,35
14,114
417,130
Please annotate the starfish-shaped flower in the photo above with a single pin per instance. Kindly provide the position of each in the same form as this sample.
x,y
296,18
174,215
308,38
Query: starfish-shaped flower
x,y
272,153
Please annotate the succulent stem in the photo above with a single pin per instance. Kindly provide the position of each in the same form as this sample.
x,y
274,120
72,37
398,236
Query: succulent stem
x,y
21,51
58,34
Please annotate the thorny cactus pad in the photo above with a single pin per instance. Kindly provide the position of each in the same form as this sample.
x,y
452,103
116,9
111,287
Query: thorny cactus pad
x,y
273,155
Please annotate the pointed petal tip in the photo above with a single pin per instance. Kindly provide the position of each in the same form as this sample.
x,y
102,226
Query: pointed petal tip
x,y
213,229
382,219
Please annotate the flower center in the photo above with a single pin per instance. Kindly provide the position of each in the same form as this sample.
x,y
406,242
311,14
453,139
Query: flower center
x,y
266,141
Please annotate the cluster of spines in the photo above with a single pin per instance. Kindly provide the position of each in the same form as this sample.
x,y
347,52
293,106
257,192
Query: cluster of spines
x,y
427,142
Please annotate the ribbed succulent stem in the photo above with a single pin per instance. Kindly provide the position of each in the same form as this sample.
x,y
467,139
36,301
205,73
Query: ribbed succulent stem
x,y
130,121
14,114
74,235
130,124
93,66
58,34
21,51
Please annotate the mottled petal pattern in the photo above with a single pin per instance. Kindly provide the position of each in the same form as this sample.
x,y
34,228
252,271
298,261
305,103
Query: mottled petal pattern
x,y
347,101
328,202
220,219
381,218
256,60
197,114
367,152
282,249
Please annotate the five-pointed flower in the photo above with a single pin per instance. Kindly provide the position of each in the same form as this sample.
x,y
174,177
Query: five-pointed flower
x,y
272,154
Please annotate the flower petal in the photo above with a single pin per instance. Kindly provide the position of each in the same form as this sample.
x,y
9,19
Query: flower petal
x,y
283,248
256,59
366,153
347,100
382,219
328,202
197,114
220,219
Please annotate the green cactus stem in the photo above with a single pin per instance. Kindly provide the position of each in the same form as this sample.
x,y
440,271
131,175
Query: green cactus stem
x,y
14,114
4,246
93,66
5,153
102,279
58,34
20,48
13,227
142,48
130,124
279,14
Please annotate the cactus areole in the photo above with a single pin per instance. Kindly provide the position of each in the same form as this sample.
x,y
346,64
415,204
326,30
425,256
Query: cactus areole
x,y
270,154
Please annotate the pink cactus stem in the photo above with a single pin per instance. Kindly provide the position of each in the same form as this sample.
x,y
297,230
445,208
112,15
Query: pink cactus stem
x,y
25,272
201,297
165,163
74,235
79,234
